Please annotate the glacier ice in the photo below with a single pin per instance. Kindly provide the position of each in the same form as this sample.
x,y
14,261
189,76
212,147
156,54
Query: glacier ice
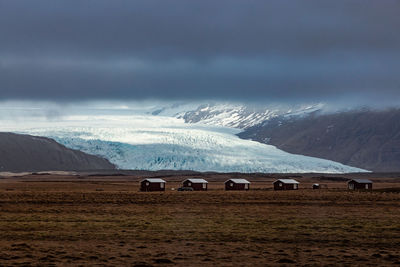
x,y
149,142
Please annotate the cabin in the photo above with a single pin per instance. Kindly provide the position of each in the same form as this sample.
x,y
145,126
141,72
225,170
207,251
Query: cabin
x,y
152,184
359,184
316,186
286,184
196,184
237,184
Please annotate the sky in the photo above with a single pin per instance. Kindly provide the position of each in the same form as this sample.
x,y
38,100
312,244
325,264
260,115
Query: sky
x,y
282,51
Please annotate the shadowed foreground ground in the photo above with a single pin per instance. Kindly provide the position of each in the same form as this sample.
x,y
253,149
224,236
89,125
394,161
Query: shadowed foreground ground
x,y
106,221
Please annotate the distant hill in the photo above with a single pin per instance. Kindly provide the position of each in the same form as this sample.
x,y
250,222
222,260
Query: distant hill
x,y
365,139
30,153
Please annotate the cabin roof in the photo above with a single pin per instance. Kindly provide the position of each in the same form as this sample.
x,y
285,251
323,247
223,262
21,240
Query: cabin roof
x,y
154,180
197,181
287,181
361,181
239,181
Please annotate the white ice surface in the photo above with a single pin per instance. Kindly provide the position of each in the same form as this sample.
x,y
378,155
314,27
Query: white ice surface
x,y
150,142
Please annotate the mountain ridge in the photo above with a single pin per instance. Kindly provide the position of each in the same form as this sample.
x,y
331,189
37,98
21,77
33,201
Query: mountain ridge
x,y
367,139
234,115
21,152
368,136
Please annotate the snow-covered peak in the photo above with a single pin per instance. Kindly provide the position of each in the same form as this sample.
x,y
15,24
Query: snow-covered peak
x,y
234,115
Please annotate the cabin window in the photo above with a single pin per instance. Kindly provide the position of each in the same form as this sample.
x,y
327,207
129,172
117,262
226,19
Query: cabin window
x,y
246,186
351,186
295,186
366,186
204,186
280,184
231,184
147,183
189,184
161,185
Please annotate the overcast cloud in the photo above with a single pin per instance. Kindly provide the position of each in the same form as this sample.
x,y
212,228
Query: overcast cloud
x,y
227,49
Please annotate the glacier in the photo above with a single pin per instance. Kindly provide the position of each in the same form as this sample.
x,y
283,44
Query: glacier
x,y
153,142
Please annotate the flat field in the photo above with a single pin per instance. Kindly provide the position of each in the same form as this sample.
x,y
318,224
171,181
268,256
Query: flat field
x,y
104,221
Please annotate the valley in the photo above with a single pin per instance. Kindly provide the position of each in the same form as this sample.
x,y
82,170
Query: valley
x,y
203,136
143,141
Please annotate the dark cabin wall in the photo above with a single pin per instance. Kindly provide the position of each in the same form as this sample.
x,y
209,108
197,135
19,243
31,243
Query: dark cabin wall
x,y
151,187
235,186
359,186
284,186
195,186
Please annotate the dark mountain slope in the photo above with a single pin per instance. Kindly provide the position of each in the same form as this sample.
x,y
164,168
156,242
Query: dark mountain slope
x,y
30,153
365,139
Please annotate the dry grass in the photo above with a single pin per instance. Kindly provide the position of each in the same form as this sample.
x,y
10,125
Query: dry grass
x,y
68,221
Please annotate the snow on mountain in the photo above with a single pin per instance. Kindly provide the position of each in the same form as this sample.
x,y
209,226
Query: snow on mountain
x,y
151,142
228,114
234,115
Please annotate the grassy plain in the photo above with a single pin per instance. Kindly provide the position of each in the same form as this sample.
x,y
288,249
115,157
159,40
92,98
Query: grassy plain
x,y
104,221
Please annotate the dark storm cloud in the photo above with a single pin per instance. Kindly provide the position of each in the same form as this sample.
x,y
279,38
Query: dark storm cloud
x,y
252,50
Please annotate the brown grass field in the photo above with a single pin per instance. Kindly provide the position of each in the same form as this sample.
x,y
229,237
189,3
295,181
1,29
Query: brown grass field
x,y
63,220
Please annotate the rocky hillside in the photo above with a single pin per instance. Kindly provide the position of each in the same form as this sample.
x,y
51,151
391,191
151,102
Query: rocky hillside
x,y
30,153
365,139
233,115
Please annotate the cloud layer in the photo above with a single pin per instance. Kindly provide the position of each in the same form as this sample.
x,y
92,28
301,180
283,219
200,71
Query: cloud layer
x,y
227,49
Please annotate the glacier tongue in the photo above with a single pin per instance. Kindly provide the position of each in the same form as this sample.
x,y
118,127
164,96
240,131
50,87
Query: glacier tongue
x,y
154,142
